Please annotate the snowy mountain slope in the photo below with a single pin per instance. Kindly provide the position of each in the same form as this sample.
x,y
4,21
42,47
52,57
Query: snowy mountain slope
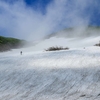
x,y
64,42
60,75
81,31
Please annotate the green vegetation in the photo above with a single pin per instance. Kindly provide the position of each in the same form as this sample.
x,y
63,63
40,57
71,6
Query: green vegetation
x,y
10,43
98,44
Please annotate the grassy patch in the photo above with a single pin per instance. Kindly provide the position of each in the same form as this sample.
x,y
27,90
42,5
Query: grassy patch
x,y
98,44
56,48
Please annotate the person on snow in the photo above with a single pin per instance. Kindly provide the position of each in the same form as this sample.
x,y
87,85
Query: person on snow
x,y
20,52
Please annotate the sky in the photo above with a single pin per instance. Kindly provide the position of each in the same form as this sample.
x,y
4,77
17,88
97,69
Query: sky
x,y
34,19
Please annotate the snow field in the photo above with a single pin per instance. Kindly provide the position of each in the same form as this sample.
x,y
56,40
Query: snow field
x,y
59,75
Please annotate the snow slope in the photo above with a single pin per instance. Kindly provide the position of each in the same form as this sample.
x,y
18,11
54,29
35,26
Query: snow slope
x,y
65,42
72,74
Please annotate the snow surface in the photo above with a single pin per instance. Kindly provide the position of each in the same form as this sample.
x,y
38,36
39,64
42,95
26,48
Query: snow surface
x,y
65,42
72,74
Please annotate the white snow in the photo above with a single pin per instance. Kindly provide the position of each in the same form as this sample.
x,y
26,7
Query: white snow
x,y
72,74
64,42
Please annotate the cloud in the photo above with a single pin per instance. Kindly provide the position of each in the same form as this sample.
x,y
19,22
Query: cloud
x,y
22,21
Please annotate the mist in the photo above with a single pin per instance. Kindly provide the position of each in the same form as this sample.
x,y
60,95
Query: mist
x,y
22,21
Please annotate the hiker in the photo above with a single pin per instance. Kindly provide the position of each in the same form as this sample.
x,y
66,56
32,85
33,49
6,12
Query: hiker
x,y
21,52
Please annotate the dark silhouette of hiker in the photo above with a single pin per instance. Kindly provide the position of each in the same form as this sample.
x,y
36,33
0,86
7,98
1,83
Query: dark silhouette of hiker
x,y
20,52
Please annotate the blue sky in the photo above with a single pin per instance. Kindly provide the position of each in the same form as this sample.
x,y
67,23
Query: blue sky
x,y
33,19
38,4
42,4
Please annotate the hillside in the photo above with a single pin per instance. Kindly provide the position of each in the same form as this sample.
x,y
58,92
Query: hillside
x,y
70,37
10,43
76,32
